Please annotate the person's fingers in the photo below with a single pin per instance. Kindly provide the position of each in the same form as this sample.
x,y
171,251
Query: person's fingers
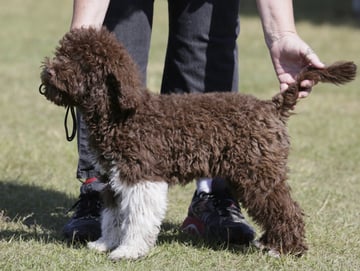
x,y
306,87
313,59
285,80
283,87
304,94
307,84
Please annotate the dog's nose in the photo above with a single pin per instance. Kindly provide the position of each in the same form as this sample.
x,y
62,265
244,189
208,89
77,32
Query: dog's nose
x,y
49,72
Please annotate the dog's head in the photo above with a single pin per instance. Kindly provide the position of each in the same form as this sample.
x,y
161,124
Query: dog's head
x,y
89,66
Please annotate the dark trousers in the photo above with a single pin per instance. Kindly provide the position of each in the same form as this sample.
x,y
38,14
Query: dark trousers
x,y
201,51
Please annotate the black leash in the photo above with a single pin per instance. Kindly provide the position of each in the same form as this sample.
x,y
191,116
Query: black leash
x,y
42,89
69,137
73,116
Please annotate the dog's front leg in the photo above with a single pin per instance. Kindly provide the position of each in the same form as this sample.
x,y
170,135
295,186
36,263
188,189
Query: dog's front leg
x,y
142,209
111,221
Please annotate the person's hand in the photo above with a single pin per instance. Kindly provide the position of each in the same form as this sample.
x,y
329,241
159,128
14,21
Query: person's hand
x,y
290,54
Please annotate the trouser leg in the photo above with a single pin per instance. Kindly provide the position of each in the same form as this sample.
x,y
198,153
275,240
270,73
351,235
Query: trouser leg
x,y
202,52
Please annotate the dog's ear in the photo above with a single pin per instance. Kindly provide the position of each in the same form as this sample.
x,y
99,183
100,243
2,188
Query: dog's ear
x,y
122,95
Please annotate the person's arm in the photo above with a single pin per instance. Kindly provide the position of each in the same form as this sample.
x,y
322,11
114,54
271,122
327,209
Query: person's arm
x,y
89,13
277,19
289,53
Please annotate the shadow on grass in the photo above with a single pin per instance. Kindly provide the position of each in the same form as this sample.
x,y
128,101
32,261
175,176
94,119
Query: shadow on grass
x,y
31,212
318,12
170,233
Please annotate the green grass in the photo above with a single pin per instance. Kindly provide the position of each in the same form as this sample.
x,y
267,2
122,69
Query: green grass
x,y
37,165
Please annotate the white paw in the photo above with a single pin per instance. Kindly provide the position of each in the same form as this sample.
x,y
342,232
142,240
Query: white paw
x,y
270,251
274,253
100,245
127,252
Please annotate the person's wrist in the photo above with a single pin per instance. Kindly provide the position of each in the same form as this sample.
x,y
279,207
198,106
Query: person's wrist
x,y
79,24
275,37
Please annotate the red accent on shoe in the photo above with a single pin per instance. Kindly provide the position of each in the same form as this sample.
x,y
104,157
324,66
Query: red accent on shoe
x,y
90,180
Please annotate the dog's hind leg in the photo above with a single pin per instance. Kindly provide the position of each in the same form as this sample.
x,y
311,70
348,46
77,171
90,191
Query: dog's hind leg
x,y
270,204
142,209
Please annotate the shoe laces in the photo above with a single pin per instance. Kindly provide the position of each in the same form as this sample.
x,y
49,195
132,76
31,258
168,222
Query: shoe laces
x,y
89,203
227,208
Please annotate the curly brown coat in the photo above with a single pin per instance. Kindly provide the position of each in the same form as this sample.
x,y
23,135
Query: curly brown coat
x,y
178,138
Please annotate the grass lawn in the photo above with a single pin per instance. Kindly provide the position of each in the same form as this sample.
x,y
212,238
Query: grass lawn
x,y
37,165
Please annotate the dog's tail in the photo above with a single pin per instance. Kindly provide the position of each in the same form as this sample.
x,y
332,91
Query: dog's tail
x,y
337,73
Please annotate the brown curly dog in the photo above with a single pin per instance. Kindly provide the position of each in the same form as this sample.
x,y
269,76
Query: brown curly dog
x,y
145,142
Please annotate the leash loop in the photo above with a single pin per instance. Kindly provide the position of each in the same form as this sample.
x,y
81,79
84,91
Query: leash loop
x,y
70,137
42,89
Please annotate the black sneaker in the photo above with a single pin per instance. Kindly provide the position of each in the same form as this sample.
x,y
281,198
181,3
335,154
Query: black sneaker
x,y
217,216
84,225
